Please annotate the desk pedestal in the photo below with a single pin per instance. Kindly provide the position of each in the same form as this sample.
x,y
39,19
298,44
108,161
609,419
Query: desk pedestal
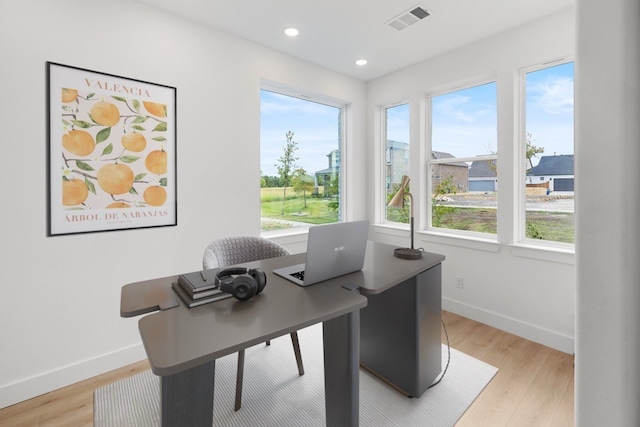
x,y
400,337
186,398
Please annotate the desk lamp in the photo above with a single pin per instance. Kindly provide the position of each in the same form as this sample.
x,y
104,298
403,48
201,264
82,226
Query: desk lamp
x,y
398,202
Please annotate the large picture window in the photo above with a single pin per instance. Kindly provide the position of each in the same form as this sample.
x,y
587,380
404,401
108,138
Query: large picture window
x,y
396,120
463,160
300,161
548,154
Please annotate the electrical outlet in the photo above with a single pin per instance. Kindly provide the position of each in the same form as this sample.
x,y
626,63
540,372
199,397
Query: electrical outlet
x,y
459,282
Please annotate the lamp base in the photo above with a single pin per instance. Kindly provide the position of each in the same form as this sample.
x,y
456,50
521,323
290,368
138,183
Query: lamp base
x,y
407,253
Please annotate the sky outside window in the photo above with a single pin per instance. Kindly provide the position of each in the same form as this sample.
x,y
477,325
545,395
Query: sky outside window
x,y
398,123
549,109
315,126
464,121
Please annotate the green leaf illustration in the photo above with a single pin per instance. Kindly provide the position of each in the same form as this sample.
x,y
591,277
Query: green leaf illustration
x,y
163,182
81,124
129,159
84,166
139,119
107,150
91,95
136,105
103,135
133,191
159,138
90,185
140,176
161,127
66,123
119,98
137,127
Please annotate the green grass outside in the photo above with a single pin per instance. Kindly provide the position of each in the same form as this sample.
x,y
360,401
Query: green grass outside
x,y
316,211
551,226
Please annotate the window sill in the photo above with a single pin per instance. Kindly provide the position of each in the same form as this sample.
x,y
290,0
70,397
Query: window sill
x,y
464,241
392,229
544,253
288,235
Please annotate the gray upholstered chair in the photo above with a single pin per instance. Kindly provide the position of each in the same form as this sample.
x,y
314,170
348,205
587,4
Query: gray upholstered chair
x,y
237,250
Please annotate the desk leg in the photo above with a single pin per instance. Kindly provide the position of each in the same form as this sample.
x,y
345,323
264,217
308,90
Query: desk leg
x,y
186,398
341,337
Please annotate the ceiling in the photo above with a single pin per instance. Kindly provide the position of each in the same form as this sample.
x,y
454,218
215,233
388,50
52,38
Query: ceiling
x,y
334,33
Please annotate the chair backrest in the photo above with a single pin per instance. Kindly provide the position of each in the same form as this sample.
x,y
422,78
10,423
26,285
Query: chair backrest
x,y
239,249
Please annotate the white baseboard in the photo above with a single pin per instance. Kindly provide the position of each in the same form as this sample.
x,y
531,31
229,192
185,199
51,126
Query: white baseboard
x,y
531,332
16,392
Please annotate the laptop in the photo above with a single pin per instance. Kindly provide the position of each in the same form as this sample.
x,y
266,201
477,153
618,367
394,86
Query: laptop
x,y
332,250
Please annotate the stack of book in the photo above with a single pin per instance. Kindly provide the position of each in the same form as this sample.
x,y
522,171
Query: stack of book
x,y
199,288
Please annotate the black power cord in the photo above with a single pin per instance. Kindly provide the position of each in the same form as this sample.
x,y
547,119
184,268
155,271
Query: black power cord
x,y
448,357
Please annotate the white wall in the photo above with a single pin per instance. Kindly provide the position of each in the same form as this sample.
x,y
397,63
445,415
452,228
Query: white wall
x,y
59,321
525,291
608,304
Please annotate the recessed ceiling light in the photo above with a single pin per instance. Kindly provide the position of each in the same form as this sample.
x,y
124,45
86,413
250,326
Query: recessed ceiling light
x,y
291,32
361,62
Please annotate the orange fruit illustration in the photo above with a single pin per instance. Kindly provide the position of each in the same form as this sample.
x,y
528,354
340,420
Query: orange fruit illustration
x,y
158,110
69,95
134,142
156,162
74,192
118,205
78,142
155,195
115,178
105,113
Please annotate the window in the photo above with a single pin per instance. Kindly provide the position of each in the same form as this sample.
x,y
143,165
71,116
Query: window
x,y
548,154
463,160
300,161
396,130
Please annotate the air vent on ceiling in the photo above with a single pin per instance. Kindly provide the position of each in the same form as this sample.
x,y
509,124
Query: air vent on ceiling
x,y
408,18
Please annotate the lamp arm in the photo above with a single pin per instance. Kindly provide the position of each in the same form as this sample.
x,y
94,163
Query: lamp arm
x,y
411,220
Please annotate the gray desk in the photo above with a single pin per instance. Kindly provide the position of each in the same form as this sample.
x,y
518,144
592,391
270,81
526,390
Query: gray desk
x,y
182,344
400,338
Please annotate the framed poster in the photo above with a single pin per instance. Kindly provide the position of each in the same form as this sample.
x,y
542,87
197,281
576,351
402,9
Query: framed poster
x,y
112,152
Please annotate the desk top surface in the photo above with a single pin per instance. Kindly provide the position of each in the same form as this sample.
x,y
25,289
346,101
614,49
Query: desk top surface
x,y
180,338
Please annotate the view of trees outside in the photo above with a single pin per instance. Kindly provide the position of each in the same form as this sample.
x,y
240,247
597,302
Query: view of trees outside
x,y
300,142
397,152
550,179
464,188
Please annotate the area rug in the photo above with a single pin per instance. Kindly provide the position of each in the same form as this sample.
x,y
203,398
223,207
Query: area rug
x,y
274,394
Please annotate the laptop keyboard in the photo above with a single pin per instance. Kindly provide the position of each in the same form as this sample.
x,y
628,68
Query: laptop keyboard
x,y
299,275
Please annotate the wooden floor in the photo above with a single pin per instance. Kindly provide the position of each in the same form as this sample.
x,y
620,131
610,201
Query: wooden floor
x,y
533,387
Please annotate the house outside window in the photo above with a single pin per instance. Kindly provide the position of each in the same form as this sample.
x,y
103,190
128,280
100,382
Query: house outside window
x,y
549,211
301,142
462,165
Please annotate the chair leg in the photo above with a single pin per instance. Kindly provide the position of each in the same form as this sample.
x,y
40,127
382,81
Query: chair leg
x,y
296,350
268,342
239,377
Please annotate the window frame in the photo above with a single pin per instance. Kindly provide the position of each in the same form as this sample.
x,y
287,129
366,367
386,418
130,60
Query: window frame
x,y
306,95
382,211
429,162
520,220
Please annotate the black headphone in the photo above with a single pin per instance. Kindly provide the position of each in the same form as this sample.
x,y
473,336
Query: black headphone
x,y
246,284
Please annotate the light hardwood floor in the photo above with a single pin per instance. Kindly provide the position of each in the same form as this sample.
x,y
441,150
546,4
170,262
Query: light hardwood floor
x,y
533,387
